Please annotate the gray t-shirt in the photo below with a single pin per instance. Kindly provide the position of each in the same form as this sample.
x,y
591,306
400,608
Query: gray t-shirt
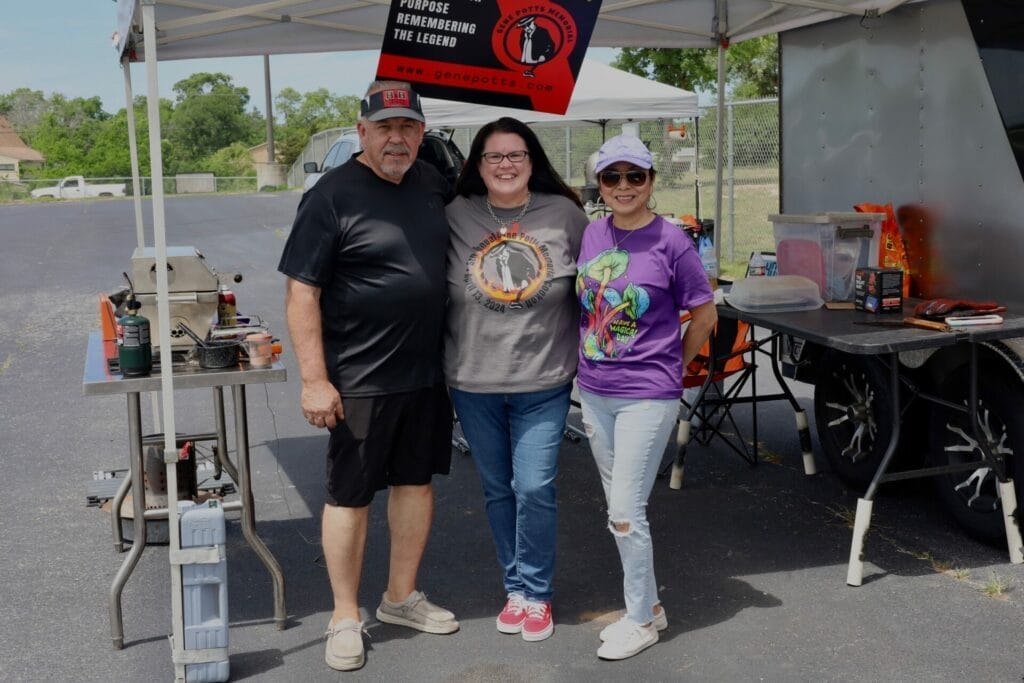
x,y
513,318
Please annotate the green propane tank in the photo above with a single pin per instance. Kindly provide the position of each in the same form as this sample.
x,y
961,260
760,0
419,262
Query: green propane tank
x,y
134,349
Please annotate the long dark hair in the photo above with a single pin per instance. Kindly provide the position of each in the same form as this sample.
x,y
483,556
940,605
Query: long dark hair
x,y
543,178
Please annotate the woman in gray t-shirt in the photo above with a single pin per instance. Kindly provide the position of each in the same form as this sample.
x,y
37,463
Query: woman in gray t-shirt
x,y
510,349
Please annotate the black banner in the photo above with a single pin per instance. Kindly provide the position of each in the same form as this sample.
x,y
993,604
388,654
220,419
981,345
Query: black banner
x,y
508,53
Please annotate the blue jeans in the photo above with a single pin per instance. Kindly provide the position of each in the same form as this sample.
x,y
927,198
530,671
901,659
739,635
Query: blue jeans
x,y
628,437
514,439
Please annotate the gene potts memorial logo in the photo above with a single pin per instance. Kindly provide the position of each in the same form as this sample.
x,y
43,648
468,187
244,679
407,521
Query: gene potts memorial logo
x,y
533,39
505,53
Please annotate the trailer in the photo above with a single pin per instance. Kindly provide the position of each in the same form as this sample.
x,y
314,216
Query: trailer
x,y
921,108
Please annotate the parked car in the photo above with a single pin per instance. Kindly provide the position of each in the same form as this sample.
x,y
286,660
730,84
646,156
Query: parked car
x,y
437,149
75,187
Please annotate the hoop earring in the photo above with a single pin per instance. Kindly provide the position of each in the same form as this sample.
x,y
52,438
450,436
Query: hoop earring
x,y
652,203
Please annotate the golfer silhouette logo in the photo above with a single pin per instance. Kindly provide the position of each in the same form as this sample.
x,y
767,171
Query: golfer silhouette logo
x,y
536,44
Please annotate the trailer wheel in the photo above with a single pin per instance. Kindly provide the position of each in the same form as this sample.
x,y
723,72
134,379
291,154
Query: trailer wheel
x,y
970,496
853,414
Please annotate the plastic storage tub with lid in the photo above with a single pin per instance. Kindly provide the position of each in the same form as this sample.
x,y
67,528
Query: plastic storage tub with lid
x,y
827,248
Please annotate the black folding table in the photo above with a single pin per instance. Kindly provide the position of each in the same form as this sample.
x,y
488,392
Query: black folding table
x,y
844,330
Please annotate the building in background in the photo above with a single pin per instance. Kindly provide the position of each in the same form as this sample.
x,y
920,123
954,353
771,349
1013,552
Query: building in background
x,y
14,153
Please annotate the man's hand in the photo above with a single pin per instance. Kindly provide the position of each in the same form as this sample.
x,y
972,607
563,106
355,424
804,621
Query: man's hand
x,y
321,404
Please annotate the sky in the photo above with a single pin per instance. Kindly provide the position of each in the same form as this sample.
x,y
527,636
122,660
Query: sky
x,y
63,46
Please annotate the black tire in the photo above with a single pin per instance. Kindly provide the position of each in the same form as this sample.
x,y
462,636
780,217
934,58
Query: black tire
x,y
971,497
853,414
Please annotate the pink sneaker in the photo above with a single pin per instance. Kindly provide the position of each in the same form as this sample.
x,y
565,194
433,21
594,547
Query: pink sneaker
x,y
512,617
539,623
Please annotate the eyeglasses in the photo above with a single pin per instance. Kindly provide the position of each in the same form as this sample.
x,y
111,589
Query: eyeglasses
x,y
516,157
612,178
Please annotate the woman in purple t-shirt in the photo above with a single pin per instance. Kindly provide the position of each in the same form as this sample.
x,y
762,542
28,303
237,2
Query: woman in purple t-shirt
x,y
636,273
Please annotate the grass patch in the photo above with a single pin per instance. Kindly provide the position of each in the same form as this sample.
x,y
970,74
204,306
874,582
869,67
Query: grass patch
x,y
995,586
960,574
745,209
843,514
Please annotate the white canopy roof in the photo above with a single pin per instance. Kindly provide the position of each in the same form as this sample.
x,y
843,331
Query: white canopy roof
x,y
602,94
226,28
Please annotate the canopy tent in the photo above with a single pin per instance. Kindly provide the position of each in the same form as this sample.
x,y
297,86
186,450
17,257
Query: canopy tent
x,y
154,30
602,94
228,28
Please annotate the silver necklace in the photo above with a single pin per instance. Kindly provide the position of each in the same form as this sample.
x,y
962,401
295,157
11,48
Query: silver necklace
x,y
504,225
611,231
618,242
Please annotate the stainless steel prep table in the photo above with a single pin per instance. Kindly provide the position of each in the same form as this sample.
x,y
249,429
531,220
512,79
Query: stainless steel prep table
x,y
840,330
98,380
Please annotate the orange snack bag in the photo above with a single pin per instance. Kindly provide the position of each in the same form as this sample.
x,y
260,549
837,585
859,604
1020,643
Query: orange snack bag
x,y
892,253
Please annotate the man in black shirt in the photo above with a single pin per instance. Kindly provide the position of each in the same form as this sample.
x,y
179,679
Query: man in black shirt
x,y
365,302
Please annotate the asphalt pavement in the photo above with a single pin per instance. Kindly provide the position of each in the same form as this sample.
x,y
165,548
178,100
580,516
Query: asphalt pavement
x,y
751,561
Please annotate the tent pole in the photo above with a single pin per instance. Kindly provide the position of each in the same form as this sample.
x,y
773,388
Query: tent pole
x,y
163,314
133,150
271,156
720,148
696,166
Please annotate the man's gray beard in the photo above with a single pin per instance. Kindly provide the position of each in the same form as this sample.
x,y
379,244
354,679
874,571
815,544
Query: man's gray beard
x,y
395,169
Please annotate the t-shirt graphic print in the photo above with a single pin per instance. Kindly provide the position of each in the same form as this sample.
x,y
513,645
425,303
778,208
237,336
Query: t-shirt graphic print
x,y
612,314
508,272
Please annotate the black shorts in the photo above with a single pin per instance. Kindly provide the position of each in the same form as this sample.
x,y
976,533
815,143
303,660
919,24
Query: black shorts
x,y
393,440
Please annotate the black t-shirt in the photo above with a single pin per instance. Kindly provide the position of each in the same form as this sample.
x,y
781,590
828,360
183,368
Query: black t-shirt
x,y
377,252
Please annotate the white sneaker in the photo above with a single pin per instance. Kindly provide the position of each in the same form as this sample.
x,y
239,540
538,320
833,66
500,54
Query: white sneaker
x,y
660,622
344,650
628,641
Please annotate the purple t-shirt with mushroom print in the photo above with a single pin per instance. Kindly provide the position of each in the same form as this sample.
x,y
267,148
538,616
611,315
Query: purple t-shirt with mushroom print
x,y
631,285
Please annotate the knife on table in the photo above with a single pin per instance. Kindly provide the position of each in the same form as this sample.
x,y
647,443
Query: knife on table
x,y
909,321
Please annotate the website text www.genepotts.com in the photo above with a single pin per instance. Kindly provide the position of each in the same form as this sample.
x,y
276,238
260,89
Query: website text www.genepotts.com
x,y
497,80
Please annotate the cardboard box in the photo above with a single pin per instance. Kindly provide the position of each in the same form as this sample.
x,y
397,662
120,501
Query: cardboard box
x,y
878,290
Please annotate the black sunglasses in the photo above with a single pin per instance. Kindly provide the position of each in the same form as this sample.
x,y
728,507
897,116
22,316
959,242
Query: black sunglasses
x,y
611,178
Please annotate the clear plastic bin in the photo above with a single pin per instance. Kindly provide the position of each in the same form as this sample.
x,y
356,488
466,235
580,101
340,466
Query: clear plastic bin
x,y
827,248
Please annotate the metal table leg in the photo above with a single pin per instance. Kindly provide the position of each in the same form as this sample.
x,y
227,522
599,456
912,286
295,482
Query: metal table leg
x,y
138,520
248,511
803,427
1004,484
115,513
222,434
862,521
683,429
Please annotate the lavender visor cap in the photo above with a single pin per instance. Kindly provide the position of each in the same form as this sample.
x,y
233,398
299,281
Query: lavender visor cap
x,y
623,148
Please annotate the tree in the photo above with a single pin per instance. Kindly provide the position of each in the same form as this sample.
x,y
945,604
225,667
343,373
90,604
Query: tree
x,y
66,133
111,157
23,108
233,160
753,67
209,114
306,114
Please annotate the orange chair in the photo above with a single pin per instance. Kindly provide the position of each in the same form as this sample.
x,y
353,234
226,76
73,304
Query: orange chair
x,y
721,370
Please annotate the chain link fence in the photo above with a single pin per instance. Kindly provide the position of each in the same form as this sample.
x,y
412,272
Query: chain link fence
x,y
684,156
16,190
315,150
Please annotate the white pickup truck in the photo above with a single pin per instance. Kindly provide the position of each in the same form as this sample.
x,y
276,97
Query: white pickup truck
x,y
75,187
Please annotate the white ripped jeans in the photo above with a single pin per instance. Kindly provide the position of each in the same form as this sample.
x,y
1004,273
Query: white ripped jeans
x,y
628,438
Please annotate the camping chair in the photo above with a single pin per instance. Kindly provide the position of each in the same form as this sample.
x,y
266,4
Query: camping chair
x,y
720,372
